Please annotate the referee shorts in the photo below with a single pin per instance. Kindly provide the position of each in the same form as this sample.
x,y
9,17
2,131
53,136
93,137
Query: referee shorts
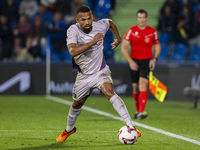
x,y
143,70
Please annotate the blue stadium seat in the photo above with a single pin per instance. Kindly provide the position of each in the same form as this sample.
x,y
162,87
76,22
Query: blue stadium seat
x,y
56,55
195,54
102,9
164,53
60,56
165,38
179,52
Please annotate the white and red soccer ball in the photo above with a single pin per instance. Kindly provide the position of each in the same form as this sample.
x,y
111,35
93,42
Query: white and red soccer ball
x,y
127,135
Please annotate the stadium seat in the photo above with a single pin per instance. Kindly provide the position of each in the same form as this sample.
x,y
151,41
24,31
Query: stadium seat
x,y
56,55
195,54
165,38
179,52
164,53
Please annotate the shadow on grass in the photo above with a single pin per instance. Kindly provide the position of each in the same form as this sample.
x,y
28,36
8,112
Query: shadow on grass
x,y
59,146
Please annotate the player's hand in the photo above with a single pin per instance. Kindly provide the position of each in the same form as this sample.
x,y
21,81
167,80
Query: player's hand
x,y
133,65
115,43
152,64
98,37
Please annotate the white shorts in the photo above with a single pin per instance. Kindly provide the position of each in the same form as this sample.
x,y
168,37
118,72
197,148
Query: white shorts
x,y
86,83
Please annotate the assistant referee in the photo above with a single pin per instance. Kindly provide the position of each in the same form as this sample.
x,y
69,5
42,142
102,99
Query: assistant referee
x,y
141,38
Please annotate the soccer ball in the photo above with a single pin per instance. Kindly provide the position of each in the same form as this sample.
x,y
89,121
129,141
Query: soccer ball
x,y
127,135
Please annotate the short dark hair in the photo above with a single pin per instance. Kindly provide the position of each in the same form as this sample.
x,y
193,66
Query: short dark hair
x,y
83,8
142,11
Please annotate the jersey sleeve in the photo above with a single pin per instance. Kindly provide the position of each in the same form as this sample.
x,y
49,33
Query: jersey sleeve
x,y
156,39
72,35
105,23
127,35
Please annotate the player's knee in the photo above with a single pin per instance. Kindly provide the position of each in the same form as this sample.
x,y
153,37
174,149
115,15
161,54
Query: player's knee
x,y
143,87
77,104
109,94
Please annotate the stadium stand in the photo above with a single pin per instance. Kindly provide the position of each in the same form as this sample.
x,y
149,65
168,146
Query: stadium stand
x,y
165,38
179,52
164,53
124,18
195,54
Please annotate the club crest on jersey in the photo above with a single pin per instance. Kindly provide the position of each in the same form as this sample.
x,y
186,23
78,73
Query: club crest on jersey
x,y
67,36
147,39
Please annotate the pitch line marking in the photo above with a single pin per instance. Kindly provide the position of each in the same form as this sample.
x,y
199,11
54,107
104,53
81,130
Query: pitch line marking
x,y
62,101
48,131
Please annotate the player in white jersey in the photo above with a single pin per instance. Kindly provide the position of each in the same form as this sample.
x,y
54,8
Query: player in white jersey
x,y
85,45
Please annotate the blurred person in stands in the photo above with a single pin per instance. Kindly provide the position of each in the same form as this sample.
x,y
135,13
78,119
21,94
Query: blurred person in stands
x,y
28,7
103,9
37,35
49,4
10,8
65,8
6,39
188,15
22,28
174,4
181,34
85,44
141,38
44,13
196,39
77,3
22,54
57,29
167,21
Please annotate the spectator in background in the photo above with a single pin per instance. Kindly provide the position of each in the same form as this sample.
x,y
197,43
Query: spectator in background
x,y
92,4
175,6
6,39
44,13
64,7
22,54
196,27
37,35
181,33
22,28
28,7
103,9
167,21
195,5
76,4
188,16
10,8
57,29
49,4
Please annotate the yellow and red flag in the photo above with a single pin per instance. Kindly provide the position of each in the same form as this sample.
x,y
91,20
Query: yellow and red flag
x,y
157,88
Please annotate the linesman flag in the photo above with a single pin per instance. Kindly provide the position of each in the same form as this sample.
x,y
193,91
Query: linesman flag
x,y
157,88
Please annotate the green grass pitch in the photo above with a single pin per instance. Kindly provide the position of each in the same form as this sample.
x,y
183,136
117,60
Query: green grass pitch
x,y
33,123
